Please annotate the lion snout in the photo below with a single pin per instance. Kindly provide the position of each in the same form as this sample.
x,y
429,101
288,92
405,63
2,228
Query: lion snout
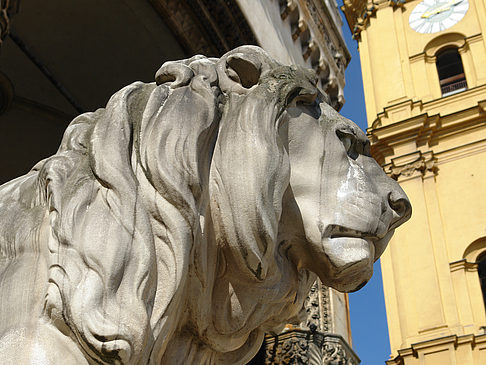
x,y
400,206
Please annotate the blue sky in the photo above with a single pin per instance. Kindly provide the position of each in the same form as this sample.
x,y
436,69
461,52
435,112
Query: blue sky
x,y
368,317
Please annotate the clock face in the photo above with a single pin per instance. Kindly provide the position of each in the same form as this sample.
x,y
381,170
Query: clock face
x,y
431,16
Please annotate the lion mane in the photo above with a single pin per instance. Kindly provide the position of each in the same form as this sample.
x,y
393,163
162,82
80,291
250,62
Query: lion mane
x,y
153,230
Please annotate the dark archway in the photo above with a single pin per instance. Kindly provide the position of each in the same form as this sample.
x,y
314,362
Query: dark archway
x,y
482,274
451,72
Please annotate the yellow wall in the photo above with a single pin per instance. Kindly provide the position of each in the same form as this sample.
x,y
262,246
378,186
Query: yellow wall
x,y
388,46
436,148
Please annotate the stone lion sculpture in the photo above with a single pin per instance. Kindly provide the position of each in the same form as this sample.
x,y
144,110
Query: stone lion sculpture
x,y
188,217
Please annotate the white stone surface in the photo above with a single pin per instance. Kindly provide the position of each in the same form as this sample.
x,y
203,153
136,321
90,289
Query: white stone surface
x,y
339,314
306,33
188,217
273,34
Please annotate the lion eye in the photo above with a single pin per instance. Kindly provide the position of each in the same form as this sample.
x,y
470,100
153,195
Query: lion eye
x,y
350,143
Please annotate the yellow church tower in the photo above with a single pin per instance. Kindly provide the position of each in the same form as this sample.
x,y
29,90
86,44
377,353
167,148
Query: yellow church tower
x,y
424,75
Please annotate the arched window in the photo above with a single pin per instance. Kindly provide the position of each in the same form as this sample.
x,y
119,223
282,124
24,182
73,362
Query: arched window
x,y
482,274
451,73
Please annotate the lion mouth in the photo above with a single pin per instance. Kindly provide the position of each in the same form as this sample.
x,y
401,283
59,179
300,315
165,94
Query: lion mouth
x,y
301,95
338,231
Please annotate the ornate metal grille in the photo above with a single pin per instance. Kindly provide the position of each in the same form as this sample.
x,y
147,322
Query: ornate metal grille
x,y
454,87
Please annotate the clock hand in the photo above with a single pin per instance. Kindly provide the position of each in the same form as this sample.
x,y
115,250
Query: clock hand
x,y
440,9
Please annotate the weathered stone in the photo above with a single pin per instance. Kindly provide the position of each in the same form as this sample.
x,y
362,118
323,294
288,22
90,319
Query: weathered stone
x,y
188,217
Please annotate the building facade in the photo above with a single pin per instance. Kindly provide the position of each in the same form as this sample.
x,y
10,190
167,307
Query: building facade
x,y
425,91
61,58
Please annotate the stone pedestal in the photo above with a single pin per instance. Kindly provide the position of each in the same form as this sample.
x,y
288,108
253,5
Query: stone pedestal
x,y
308,347
323,337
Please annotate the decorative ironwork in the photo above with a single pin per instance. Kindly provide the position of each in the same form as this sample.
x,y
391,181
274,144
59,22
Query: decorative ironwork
x,y
308,347
454,87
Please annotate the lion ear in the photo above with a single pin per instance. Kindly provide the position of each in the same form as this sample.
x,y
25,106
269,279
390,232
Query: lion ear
x,y
240,69
243,69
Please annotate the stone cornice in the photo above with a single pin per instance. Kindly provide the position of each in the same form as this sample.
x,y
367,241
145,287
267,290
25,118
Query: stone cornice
x,y
359,12
427,164
416,349
451,39
461,151
322,44
416,107
425,130
463,265
342,44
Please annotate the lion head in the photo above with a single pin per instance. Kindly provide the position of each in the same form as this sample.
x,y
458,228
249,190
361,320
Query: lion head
x,y
191,215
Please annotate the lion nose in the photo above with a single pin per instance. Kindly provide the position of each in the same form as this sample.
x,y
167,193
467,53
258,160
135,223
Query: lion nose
x,y
400,205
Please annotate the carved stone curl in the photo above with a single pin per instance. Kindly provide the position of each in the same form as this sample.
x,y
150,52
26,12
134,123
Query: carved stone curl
x,y
188,217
